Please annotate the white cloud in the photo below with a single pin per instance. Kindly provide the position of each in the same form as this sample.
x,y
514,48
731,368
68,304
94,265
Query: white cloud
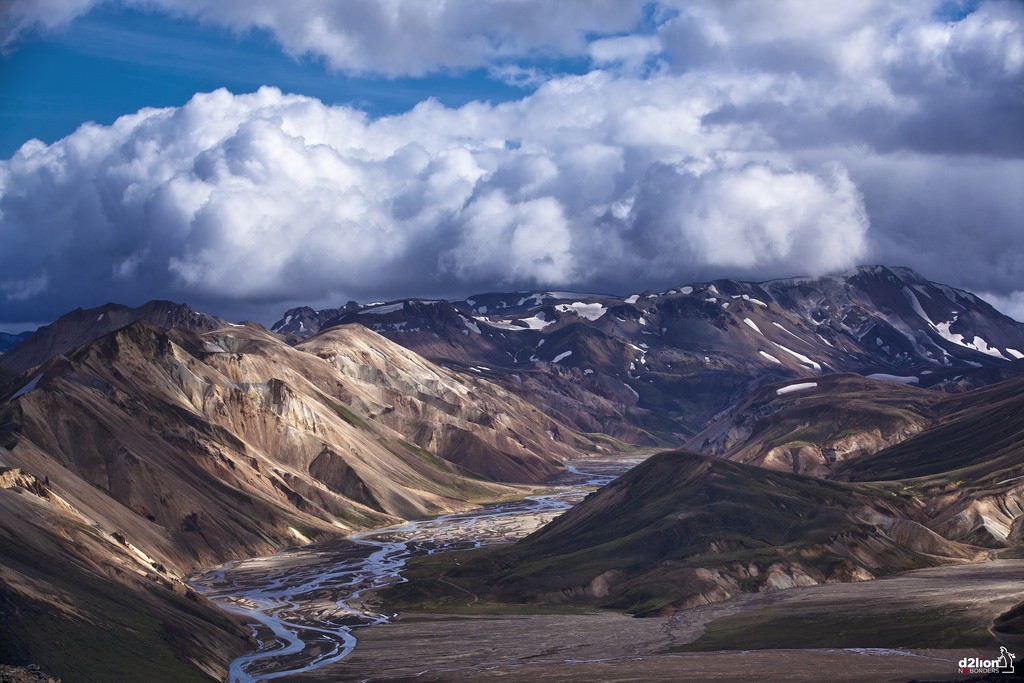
x,y
275,197
20,290
398,37
721,138
628,51
753,218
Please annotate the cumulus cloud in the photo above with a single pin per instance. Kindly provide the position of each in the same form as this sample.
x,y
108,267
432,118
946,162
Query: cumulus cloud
x,y
709,139
273,197
752,219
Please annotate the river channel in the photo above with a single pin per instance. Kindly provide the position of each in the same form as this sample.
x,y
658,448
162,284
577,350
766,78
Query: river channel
x,y
305,605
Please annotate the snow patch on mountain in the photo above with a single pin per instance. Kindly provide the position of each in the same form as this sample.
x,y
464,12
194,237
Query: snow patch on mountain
x,y
382,309
795,387
536,322
800,357
791,334
28,387
977,343
537,300
916,305
894,378
588,311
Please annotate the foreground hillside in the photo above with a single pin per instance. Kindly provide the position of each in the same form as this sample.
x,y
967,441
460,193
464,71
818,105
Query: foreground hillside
x,y
683,530
145,454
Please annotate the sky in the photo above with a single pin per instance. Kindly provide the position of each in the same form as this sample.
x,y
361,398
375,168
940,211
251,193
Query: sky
x,y
246,156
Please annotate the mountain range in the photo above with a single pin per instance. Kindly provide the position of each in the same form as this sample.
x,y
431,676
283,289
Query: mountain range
x,y
655,367
835,429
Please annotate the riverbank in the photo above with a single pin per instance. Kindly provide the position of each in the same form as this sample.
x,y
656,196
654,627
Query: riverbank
x,y
916,625
306,603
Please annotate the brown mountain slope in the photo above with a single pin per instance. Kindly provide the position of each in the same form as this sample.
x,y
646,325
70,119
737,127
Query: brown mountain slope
x,y
683,529
962,454
968,467
812,426
466,420
152,453
91,606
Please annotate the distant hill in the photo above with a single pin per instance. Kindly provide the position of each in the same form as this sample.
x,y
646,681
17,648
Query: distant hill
x,y
9,341
84,325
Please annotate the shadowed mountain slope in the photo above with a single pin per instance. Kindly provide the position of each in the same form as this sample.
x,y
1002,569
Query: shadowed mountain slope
x,y
683,529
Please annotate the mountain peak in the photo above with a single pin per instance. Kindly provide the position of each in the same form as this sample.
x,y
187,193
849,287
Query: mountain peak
x,y
83,325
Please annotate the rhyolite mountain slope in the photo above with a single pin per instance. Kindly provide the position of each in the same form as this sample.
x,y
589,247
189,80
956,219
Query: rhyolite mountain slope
x,y
967,467
654,367
145,454
79,598
856,429
226,432
852,428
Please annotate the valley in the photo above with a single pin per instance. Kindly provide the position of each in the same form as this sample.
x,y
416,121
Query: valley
x,y
309,605
522,340
837,479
